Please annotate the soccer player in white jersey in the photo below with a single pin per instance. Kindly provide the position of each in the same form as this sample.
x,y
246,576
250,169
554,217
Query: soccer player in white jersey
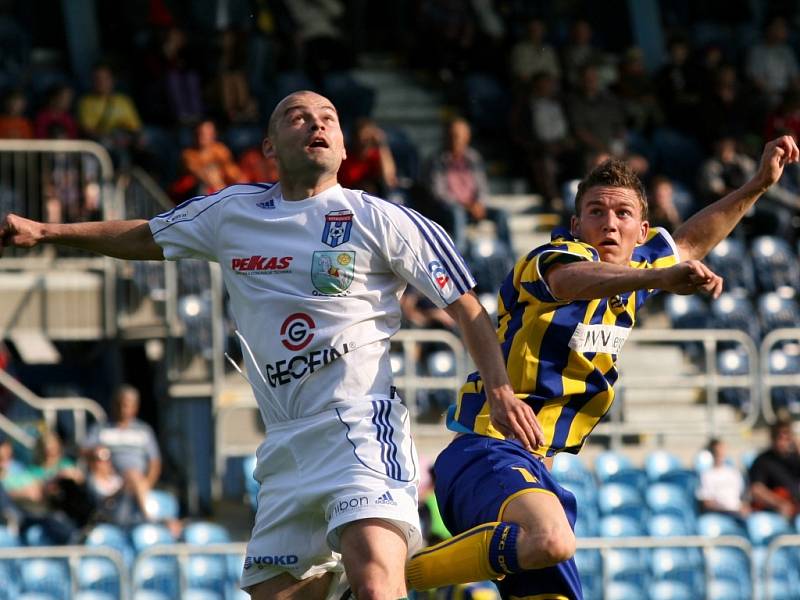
x,y
315,272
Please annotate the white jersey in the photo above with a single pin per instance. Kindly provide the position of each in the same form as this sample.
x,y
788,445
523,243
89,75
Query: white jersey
x,y
314,285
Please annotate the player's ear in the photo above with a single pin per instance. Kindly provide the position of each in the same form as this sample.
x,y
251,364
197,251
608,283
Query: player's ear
x,y
644,228
575,226
267,148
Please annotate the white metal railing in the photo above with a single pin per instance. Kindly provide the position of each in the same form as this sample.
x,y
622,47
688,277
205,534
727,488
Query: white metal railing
x,y
781,541
73,554
709,380
769,381
49,407
603,545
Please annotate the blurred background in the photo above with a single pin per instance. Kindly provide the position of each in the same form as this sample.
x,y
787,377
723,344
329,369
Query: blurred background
x,y
128,438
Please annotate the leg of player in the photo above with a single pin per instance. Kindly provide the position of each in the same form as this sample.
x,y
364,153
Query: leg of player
x,y
545,537
532,532
374,555
286,587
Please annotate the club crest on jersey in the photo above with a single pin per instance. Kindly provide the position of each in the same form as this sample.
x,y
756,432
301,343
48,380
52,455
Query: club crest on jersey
x,y
338,224
332,272
439,274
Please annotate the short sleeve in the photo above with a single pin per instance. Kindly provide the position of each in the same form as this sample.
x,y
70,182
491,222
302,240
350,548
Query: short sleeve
x,y
657,252
189,229
422,253
560,250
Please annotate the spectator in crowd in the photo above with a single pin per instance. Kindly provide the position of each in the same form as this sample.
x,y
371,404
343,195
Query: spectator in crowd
x,y
785,119
459,186
724,171
13,122
208,164
323,45
722,486
661,204
257,168
15,478
725,110
578,53
55,119
677,86
172,78
540,130
369,165
597,118
637,93
237,103
134,450
771,64
775,473
532,55
110,117
112,500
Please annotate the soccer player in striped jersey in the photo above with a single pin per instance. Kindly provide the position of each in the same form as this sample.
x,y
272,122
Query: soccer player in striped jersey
x,y
564,314
315,273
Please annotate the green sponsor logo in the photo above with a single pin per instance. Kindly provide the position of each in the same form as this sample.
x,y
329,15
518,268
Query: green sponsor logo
x,y
332,271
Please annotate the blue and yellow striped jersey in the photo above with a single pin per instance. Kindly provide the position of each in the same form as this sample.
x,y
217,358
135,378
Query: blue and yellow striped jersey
x,y
560,356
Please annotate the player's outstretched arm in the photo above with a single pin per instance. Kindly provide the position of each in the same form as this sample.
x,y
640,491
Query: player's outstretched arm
x,y
511,416
119,239
590,280
704,230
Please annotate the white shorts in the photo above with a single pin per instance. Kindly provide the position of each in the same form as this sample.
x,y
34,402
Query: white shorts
x,y
321,472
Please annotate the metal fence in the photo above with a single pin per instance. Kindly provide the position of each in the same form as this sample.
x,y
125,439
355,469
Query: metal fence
x,y
772,380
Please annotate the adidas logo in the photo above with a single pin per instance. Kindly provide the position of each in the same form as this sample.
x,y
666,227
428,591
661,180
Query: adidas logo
x,y
386,498
266,205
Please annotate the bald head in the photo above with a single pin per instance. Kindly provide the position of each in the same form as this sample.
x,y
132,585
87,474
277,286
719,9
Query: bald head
x,y
294,99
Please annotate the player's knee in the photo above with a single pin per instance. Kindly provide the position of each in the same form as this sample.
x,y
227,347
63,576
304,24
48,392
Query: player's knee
x,y
546,548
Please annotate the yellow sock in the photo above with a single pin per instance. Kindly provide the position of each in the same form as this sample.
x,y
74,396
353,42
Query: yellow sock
x,y
487,551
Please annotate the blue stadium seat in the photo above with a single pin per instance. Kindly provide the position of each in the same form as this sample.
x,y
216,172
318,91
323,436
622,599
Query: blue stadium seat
x,y
679,564
162,505
202,594
250,484
207,572
9,579
8,537
763,526
729,564
734,311
668,525
686,312
571,468
627,565
670,590
621,499
36,535
730,363
614,467
659,463
703,460
774,262
776,311
112,536
202,533
145,535
45,576
730,260
590,570
726,589
94,595
784,397
100,575
624,590
157,574
671,499
490,261
620,526
150,595
718,524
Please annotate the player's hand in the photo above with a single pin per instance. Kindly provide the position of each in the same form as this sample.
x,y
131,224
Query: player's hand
x,y
690,277
514,418
777,154
19,231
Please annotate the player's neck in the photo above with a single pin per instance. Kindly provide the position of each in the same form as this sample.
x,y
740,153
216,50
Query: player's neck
x,y
301,189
